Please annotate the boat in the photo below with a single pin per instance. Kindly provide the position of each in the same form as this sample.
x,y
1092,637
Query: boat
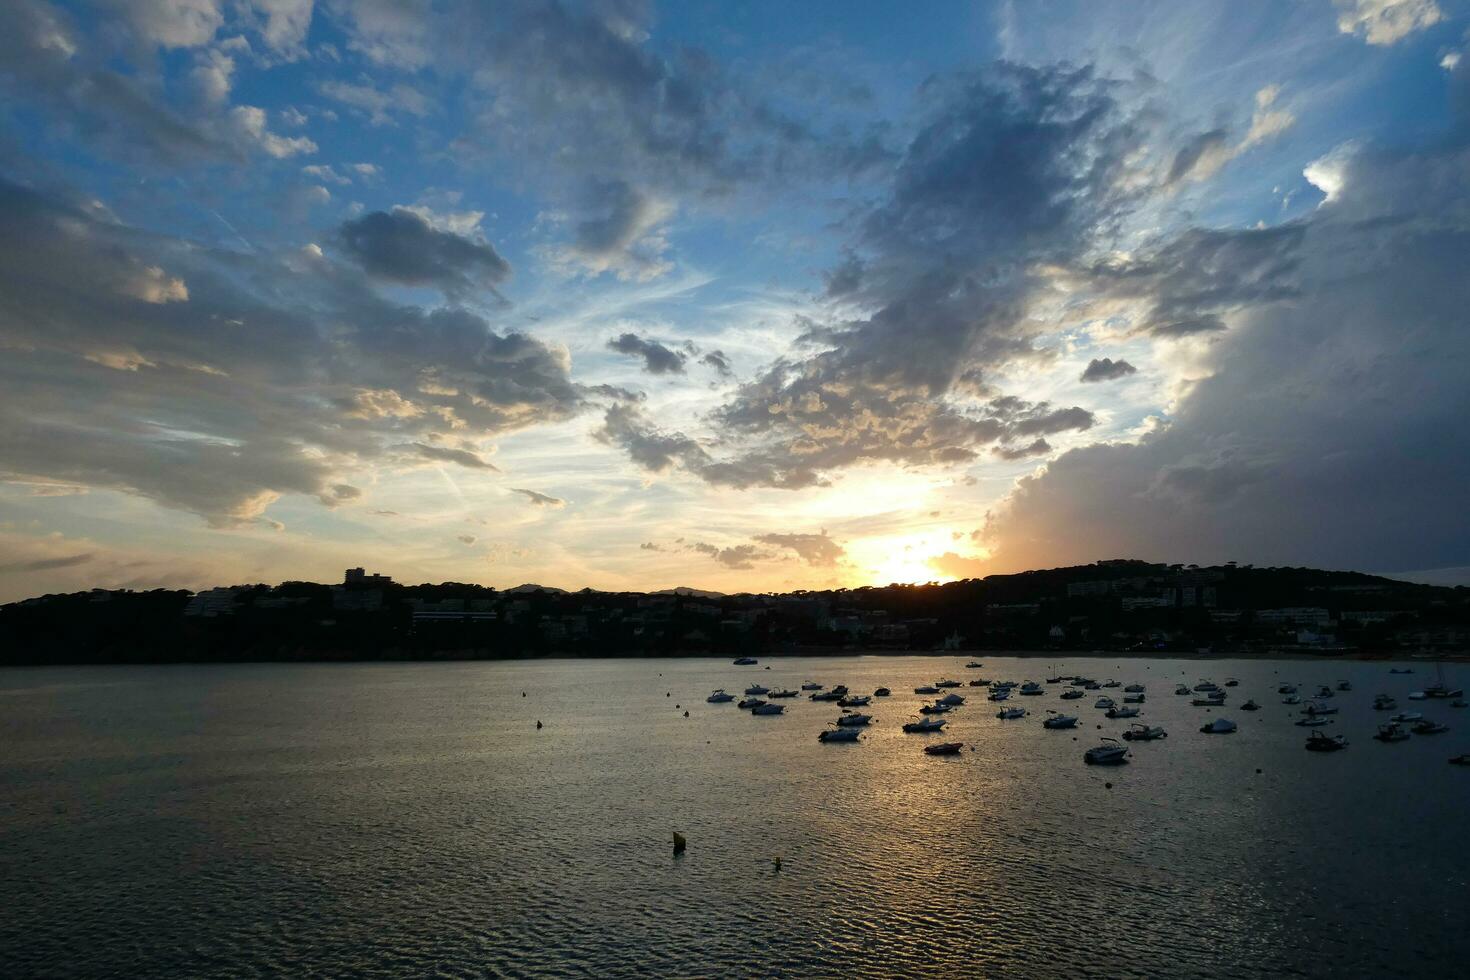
x,y
1439,689
783,694
768,709
1091,686
944,748
1207,686
1324,691
1103,702
1403,716
979,683
1460,760
952,699
1344,686
719,697
1183,689
839,735
926,689
1059,721
1322,742
1318,708
1110,753
924,725
1384,703
854,701
1291,699
746,662
811,686
751,703
946,683
854,720
1144,733
1391,733
1458,703
1231,682
882,692
836,694
1133,689
1401,670
974,663
1031,687
1006,714
1429,727
1417,696
1072,694
1214,701
1250,705
1122,713
1310,722
1055,680
1286,689
755,689
1133,698
1080,681
1220,726
936,709
1111,683
998,696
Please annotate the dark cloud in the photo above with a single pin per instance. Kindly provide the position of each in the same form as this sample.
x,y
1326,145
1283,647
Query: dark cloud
x,y
1107,369
741,557
1011,169
46,564
402,247
657,359
814,549
461,456
1202,153
1329,429
1038,448
717,360
539,499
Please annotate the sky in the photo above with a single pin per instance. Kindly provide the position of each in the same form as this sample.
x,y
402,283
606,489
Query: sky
x,y
746,297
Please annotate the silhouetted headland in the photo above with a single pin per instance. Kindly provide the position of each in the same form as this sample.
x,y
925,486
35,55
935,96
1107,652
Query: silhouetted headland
x,y
1112,606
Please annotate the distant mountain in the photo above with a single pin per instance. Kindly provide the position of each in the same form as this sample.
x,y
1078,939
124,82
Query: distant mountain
x,y
528,587
687,592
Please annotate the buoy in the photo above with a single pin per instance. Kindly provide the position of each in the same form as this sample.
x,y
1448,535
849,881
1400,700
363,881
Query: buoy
x,y
1107,785
523,694
668,694
538,726
778,862
686,714
1258,772
678,843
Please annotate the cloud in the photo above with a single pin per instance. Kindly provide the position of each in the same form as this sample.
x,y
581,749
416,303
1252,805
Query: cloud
x,y
467,539
1204,154
719,361
1038,448
657,359
958,566
463,457
378,105
280,374
46,564
814,549
617,232
540,499
741,557
1107,369
1299,445
1384,22
401,247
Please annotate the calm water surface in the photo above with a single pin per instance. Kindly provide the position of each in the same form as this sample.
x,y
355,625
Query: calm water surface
x,y
410,819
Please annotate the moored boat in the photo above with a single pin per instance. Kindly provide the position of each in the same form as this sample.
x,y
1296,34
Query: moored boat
x,y
768,709
882,692
1055,720
924,725
1322,742
1109,753
854,701
720,697
755,689
1140,732
926,689
1391,733
1220,726
1122,713
854,720
1250,706
783,694
952,699
1428,726
944,748
1072,694
1007,714
750,704
746,662
839,735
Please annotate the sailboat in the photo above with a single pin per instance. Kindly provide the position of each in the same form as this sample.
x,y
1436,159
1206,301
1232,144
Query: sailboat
x,y
1439,689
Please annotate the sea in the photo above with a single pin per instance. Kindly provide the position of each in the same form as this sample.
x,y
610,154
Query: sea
x,y
412,819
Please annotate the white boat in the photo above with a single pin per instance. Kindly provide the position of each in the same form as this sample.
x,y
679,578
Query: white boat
x,y
784,694
1059,721
1407,716
1417,695
1122,712
1007,714
750,703
937,708
1072,694
1112,683
755,689
1391,733
768,709
952,699
855,701
1133,689
1144,733
1384,703
1220,726
1207,686
1318,708
946,683
998,696
1031,687
1213,701
1005,685
1133,698
1103,702
1183,689
1310,722
839,735
854,720
926,690
746,662
720,697
1291,699
810,686
925,725
1109,753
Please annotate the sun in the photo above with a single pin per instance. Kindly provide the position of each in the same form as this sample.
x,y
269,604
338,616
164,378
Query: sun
x,y
902,559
